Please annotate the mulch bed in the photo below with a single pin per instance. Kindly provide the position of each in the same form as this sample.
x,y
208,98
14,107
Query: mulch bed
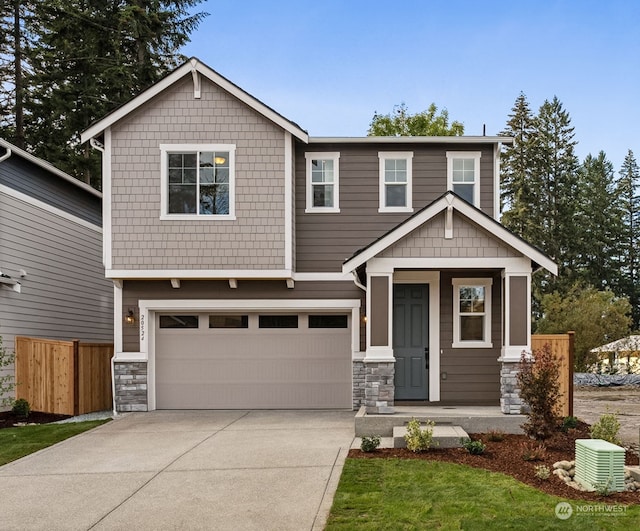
x,y
506,457
9,419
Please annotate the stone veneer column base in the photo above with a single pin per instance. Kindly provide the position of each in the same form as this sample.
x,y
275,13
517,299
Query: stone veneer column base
x,y
130,385
379,392
358,384
510,401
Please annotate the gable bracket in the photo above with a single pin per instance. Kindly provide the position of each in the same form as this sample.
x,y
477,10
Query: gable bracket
x,y
196,83
448,224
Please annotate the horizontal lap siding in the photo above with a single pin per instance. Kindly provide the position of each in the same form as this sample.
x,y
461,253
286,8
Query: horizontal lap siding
x,y
473,375
324,241
140,240
219,290
65,294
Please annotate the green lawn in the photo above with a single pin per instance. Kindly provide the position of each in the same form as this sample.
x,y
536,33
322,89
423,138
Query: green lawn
x,y
18,442
396,494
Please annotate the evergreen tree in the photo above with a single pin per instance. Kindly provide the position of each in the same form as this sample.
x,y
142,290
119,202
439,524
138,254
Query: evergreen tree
x,y
515,165
629,257
599,220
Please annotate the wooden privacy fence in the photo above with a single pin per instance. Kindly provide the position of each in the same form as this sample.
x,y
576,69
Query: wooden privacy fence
x,y
562,347
64,377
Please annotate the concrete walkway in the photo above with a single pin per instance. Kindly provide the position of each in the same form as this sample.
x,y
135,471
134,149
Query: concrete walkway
x,y
228,470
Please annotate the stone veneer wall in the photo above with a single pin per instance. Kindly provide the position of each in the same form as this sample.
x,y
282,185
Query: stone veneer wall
x,y
358,384
510,401
379,387
130,386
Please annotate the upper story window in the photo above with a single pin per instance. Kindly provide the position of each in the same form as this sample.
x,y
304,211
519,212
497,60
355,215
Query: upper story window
x,y
322,182
197,181
395,181
472,312
463,175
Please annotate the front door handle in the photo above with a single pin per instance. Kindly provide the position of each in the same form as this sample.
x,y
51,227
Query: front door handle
x,y
426,357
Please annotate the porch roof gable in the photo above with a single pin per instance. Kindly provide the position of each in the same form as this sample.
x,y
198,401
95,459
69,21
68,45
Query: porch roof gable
x,y
449,200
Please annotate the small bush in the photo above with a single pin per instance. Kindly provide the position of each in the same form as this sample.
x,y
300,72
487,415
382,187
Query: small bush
x,y
604,489
473,447
607,428
21,408
538,380
533,452
495,436
569,423
542,471
418,439
369,444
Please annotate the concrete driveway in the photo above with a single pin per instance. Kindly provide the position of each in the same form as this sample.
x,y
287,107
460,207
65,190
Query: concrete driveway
x,y
231,470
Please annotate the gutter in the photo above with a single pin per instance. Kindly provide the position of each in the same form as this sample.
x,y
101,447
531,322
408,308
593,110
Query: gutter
x,y
6,155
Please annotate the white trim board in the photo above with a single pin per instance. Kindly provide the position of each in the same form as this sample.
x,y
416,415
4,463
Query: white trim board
x,y
475,215
48,208
200,274
186,69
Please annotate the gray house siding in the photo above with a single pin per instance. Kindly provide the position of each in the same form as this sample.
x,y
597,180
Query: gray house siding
x,y
140,240
64,294
49,188
473,375
325,240
135,290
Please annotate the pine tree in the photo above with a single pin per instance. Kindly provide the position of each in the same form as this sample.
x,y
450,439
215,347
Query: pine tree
x,y
629,259
600,223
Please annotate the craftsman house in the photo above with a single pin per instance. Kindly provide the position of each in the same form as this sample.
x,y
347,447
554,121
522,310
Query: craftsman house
x,y
257,267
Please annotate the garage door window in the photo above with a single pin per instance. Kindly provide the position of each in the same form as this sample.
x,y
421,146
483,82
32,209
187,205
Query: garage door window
x,y
278,321
327,321
228,321
178,321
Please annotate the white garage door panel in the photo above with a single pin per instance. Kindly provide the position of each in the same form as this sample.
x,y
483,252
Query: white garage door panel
x,y
252,368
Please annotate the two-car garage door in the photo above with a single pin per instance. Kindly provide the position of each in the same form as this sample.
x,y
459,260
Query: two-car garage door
x,y
253,360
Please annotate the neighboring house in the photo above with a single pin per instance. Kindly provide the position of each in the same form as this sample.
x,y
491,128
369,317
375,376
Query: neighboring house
x,y
52,281
256,267
622,355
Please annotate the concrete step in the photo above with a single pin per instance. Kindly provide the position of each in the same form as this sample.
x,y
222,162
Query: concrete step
x,y
445,436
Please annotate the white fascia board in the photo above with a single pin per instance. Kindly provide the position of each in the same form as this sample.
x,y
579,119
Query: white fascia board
x,y
48,208
410,140
49,167
248,304
176,75
199,274
488,224
322,277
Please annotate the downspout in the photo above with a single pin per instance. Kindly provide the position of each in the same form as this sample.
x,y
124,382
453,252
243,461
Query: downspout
x,y
6,155
357,282
96,145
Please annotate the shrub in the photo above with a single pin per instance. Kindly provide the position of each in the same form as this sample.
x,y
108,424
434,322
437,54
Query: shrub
x,y
495,436
606,428
569,423
369,444
418,439
604,489
21,408
473,447
6,382
540,390
533,452
542,471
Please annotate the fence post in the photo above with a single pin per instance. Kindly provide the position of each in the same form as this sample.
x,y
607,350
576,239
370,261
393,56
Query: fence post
x,y
76,377
571,335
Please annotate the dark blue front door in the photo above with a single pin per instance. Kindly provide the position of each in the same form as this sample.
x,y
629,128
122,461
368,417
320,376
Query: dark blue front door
x,y
411,341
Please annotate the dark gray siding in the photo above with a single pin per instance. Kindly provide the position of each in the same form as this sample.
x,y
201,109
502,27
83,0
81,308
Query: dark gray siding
x,y
34,181
473,375
135,290
65,294
325,240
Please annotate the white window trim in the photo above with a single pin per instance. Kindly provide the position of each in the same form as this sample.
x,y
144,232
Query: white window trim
x,y
383,156
451,156
457,283
335,157
165,149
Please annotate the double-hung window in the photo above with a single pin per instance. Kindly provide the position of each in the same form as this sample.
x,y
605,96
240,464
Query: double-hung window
x,y
463,175
322,182
395,181
472,312
198,181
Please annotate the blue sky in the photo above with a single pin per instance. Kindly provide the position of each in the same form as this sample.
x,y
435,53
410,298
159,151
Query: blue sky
x,y
329,64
